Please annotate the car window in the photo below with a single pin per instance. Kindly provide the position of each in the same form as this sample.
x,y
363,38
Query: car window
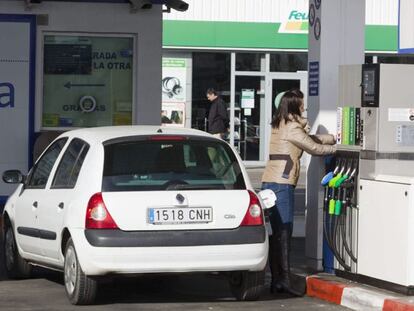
x,y
69,167
165,165
40,173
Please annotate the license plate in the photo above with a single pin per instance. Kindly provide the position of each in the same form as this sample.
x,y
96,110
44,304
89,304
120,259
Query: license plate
x,y
176,215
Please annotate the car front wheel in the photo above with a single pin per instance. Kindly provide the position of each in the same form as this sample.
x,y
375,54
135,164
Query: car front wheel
x,y
16,266
247,285
80,288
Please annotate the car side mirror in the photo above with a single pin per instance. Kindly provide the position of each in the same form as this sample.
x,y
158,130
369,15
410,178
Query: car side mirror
x,y
268,198
13,177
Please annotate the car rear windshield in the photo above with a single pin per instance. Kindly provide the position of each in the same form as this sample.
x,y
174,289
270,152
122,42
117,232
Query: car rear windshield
x,y
190,164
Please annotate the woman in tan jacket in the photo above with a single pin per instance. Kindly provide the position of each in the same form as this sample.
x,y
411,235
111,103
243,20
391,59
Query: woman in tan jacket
x,y
288,140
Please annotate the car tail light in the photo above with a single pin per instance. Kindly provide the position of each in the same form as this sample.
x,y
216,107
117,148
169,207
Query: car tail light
x,y
254,214
97,216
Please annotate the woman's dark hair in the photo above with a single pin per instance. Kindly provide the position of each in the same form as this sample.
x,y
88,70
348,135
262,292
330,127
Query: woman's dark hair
x,y
290,105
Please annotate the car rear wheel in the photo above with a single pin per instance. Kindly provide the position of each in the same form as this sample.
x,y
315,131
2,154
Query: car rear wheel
x,y
247,285
80,288
16,266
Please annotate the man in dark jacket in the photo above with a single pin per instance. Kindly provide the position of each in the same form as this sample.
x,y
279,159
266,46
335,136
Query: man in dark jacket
x,y
217,117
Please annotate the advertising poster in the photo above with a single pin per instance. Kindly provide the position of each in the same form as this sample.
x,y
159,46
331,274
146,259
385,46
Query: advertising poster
x,y
174,72
87,81
17,37
173,114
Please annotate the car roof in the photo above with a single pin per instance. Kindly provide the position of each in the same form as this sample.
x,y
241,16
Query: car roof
x,y
104,133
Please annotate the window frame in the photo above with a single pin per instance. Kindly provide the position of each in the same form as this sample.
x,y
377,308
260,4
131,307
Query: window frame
x,y
34,168
242,184
298,55
84,145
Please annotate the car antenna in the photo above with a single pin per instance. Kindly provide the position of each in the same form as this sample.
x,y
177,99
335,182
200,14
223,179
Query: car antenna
x,y
159,130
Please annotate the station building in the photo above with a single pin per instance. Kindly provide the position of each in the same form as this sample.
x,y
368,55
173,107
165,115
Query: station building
x,y
250,50
71,64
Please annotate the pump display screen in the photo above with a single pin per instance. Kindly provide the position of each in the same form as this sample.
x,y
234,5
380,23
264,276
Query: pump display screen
x,y
370,87
369,84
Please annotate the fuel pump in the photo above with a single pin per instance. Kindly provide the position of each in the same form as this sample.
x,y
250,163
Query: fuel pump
x,y
369,196
339,186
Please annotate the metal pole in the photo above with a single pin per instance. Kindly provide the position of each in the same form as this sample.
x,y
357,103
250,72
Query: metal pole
x,y
232,96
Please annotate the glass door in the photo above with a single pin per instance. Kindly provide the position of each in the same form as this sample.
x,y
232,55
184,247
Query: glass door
x,y
248,116
280,82
286,81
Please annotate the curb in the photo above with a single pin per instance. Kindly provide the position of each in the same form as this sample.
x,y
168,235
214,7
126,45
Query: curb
x,y
356,296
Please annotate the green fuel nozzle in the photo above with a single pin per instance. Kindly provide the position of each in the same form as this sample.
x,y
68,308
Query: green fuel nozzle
x,y
331,210
334,180
339,181
338,207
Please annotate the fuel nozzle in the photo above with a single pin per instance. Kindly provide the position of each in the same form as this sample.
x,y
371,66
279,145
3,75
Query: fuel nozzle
x,y
325,180
338,183
333,181
338,207
331,210
328,177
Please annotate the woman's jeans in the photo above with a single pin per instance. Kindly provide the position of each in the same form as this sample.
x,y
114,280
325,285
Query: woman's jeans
x,y
281,219
281,215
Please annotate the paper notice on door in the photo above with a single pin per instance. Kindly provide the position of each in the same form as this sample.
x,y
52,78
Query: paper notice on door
x,y
247,112
247,98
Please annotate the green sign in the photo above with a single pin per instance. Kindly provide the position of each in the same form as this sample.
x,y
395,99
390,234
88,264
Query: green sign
x,y
252,35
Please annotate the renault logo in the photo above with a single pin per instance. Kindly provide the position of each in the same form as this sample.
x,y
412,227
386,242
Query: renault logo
x,y
180,198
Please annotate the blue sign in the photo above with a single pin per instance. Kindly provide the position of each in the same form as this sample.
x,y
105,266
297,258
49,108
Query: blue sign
x,y
6,95
18,33
313,79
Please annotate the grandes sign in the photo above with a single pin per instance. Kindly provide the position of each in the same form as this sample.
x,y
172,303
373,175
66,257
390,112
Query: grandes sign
x,y
17,37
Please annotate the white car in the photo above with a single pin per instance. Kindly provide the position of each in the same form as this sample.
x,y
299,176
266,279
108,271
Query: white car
x,y
132,200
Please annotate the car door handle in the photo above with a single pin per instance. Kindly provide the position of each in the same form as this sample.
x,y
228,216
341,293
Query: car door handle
x,y
35,204
61,205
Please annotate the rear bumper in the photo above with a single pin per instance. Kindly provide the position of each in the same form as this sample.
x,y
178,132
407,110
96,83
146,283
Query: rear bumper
x,y
119,238
168,259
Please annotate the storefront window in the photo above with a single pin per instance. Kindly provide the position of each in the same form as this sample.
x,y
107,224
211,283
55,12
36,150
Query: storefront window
x,y
369,59
395,59
249,62
288,62
210,70
87,81
248,107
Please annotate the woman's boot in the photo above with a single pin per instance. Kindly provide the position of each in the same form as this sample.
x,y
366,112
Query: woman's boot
x,y
274,263
285,279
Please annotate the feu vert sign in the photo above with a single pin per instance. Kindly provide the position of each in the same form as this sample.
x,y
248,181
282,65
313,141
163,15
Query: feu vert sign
x,y
295,22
